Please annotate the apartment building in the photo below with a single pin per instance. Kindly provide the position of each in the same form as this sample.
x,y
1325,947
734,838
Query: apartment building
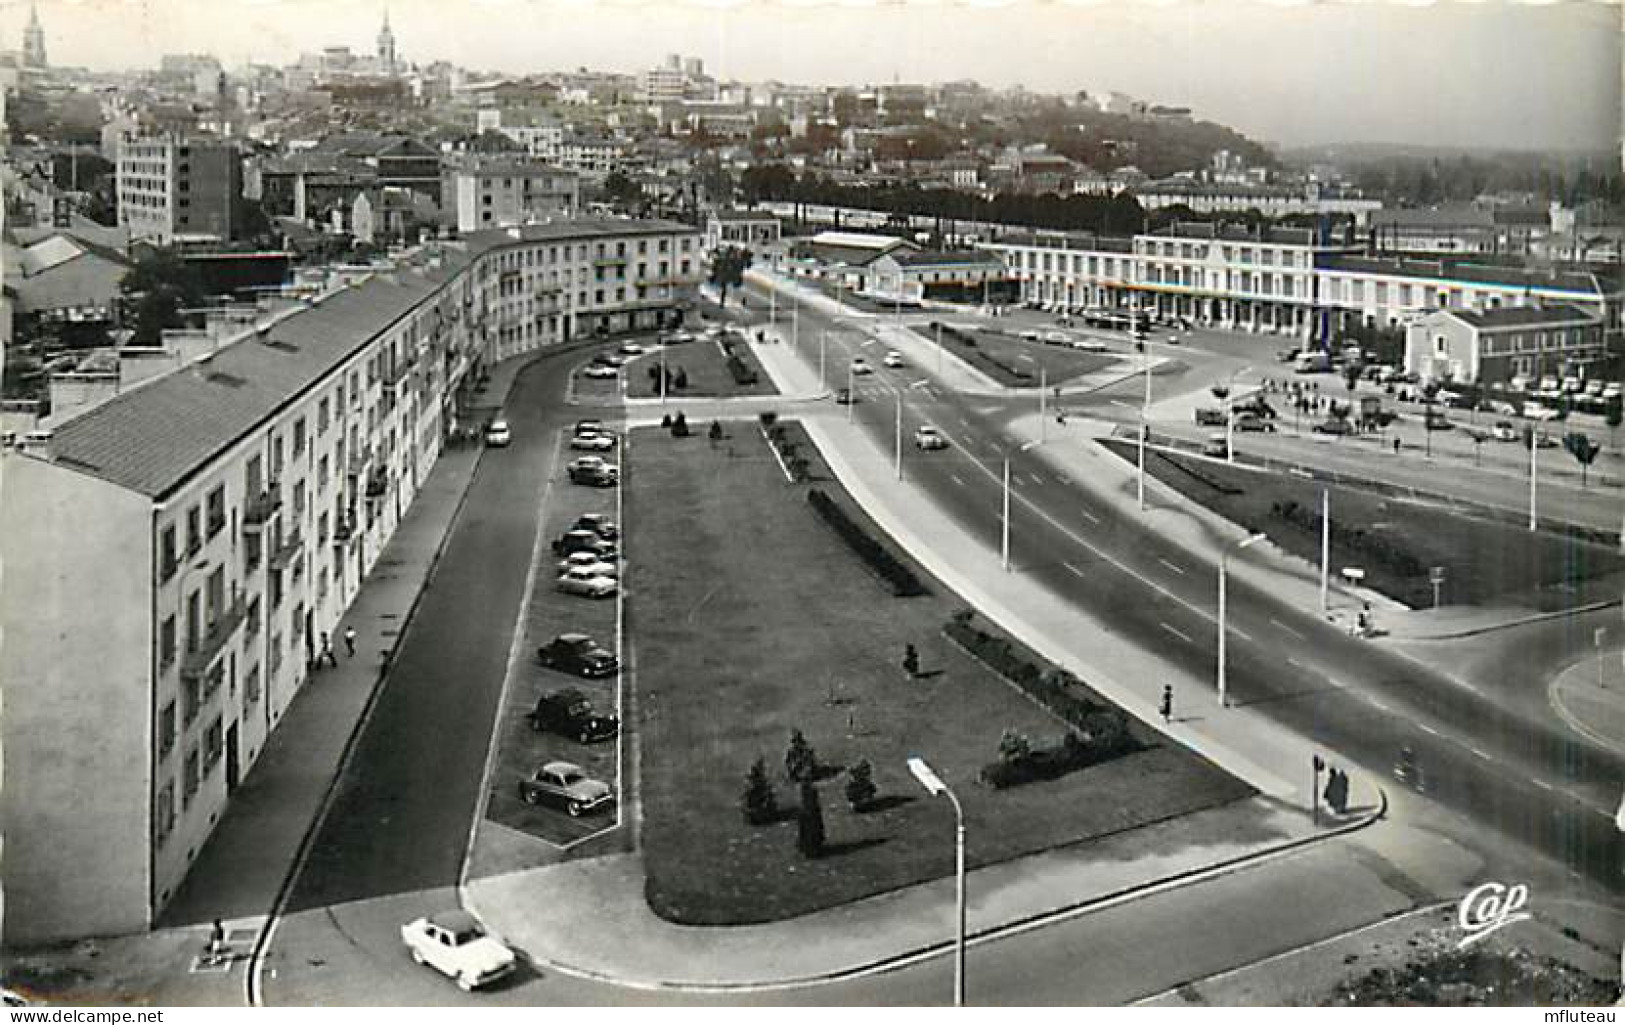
x,y
174,189
498,194
174,554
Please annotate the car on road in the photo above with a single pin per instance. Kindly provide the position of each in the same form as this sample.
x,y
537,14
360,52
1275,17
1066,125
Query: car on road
x,y
497,434
593,562
860,367
599,372
843,396
1250,421
1544,440
611,359
598,523
1088,345
455,944
1504,431
565,785
928,438
1030,336
1334,425
894,359
1217,445
587,582
568,713
578,655
592,442
1057,338
632,349
1437,422
1206,416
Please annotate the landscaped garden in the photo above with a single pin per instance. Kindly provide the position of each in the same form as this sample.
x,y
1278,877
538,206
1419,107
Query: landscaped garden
x,y
1398,542
790,655
704,367
1013,361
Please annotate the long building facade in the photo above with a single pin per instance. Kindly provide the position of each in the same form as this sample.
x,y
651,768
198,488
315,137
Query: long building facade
x,y
173,555
1279,280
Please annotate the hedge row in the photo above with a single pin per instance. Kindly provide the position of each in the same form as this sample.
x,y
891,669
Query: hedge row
x,y
1106,738
901,579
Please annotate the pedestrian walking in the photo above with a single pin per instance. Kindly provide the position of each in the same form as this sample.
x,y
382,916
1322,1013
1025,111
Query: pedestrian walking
x,y
327,654
1167,708
349,641
217,939
911,661
1396,446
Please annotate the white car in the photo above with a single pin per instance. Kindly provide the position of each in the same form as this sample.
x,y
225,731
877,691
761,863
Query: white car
x,y
1088,345
1057,337
586,463
599,372
583,582
929,438
455,943
497,434
595,563
860,367
894,359
593,442
632,349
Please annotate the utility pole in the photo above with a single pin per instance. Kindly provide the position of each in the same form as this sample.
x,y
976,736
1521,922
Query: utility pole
x,y
1534,467
1325,547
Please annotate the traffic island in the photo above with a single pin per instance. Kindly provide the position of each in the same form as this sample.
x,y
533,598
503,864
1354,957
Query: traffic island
x,y
720,367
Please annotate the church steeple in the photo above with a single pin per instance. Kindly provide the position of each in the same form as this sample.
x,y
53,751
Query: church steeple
x,y
386,46
34,40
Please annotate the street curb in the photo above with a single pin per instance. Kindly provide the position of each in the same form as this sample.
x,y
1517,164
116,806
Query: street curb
x,y
1004,930
1474,631
253,988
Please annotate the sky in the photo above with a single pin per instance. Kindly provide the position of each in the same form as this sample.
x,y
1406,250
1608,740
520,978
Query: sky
x,y
1465,73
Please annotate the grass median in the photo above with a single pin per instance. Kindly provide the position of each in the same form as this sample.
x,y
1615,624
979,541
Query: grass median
x,y
704,369
1013,361
751,619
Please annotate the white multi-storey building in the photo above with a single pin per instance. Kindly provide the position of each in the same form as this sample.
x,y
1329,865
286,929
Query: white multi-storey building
x,y
172,554
173,189
497,194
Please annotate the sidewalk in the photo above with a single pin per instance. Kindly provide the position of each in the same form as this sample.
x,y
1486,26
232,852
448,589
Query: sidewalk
x,y
240,872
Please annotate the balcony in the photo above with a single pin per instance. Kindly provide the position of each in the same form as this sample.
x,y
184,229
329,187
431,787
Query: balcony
x,y
195,664
287,550
343,531
377,483
259,510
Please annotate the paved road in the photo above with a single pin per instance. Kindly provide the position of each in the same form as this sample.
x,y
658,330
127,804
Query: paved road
x,y
1520,774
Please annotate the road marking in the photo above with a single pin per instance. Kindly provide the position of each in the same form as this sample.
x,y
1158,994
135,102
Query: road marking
x,y
1075,571
1425,728
1036,478
1294,662
1171,566
1242,634
1541,783
1481,754
1378,703
955,478
1086,514
1288,629
1176,633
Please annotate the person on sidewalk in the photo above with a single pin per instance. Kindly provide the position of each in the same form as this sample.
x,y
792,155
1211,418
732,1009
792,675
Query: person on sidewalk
x,y
349,641
327,654
911,661
1167,708
217,940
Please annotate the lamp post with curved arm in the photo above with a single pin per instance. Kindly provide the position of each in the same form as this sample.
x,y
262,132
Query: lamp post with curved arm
x,y
934,786
1224,567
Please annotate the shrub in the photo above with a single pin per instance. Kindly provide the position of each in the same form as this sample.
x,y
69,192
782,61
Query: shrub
x,y
679,426
797,465
742,373
715,433
903,581
1072,752
860,785
810,823
800,760
665,421
760,804
1014,745
767,418
680,380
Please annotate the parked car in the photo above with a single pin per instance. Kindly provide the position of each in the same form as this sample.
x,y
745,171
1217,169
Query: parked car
x,y
592,442
611,359
860,367
455,944
565,785
928,438
1504,431
598,523
497,434
1217,445
589,427
632,349
894,359
1437,422
1250,421
599,372
1090,345
578,655
601,475
1209,417
843,396
581,540
1334,425
569,713
1030,336
595,563
1057,338
584,462
587,581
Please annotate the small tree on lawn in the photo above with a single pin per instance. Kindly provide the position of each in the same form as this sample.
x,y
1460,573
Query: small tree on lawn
x,y
1220,391
679,426
860,785
810,823
1584,451
1613,415
1014,745
800,760
680,379
715,433
760,804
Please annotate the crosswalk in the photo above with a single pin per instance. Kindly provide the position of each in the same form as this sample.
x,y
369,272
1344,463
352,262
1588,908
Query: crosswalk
x,y
877,388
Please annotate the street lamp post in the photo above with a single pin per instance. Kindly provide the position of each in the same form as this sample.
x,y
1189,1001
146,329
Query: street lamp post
x,y
851,391
1534,468
1224,569
1043,388
1145,420
934,786
1004,519
823,379
899,434
939,348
